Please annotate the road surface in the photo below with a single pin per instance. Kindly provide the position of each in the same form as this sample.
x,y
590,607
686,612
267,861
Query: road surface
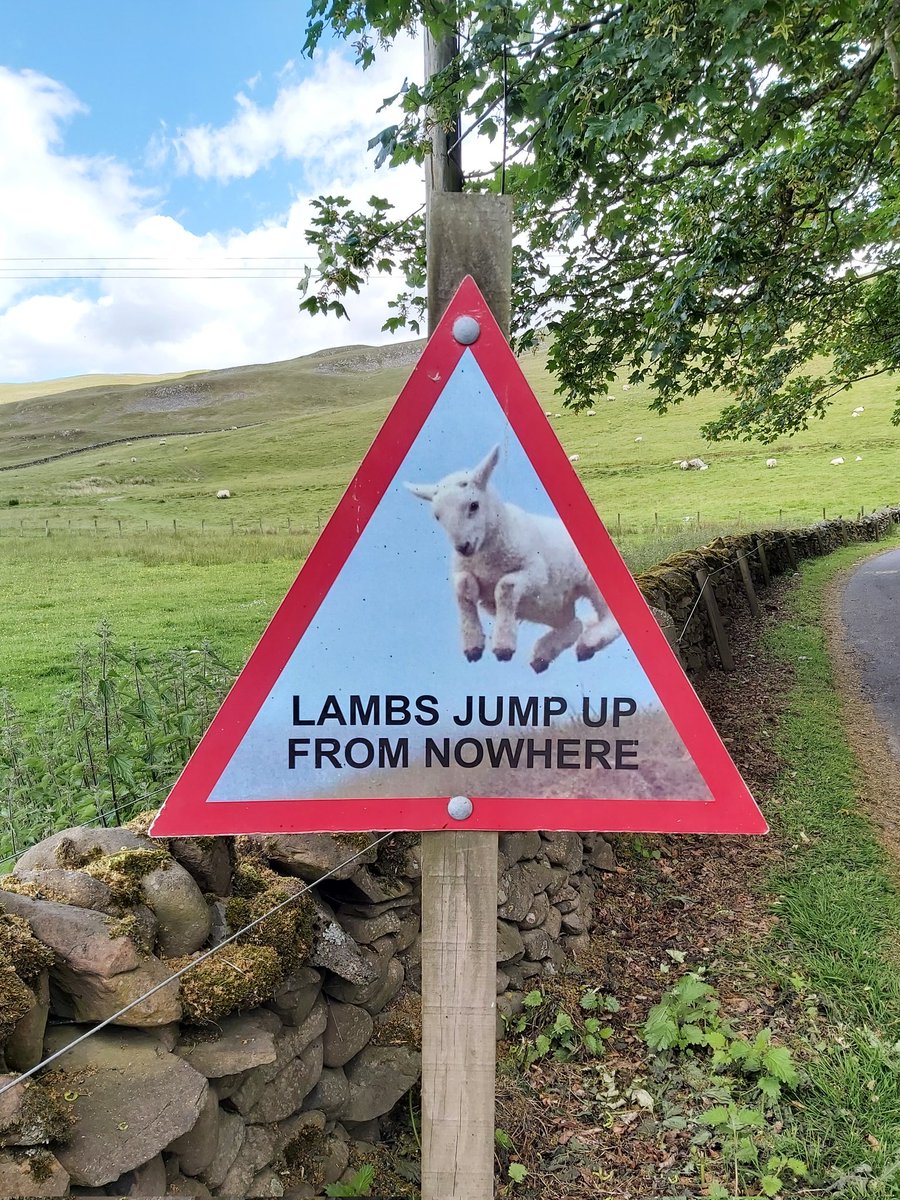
x,y
870,611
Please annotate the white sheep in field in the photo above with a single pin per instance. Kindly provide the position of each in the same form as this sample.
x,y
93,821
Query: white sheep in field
x,y
837,462
771,462
517,566
223,494
574,457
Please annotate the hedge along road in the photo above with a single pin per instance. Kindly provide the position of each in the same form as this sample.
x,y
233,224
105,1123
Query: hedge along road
x,y
870,611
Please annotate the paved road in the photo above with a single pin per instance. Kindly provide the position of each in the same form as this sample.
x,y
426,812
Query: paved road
x,y
871,614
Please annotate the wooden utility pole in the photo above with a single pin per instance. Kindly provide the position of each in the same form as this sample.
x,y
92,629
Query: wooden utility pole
x,y
465,235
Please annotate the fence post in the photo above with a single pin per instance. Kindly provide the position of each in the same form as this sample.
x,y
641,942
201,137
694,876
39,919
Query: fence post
x,y
715,619
747,579
763,562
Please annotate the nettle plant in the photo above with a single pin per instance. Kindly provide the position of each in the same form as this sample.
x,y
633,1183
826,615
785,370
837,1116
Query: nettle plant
x,y
689,1018
534,1035
113,744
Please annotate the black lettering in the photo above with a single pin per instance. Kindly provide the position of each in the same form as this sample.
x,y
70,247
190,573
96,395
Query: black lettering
x,y
368,714
622,754
533,752
440,752
623,706
368,752
554,706
595,751
393,754
586,713
565,748
396,710
466,743
327,748
296,707
466,719
332,711
496,717
427,710
295,750
526,714
503,749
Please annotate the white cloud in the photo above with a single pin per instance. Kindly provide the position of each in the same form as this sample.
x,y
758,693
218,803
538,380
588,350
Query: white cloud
x,y
326,117
55,205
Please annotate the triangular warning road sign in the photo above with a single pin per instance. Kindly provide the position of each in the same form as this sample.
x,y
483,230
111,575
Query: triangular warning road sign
x,y
464,630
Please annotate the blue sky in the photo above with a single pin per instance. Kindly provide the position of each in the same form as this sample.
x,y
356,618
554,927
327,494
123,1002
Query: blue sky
x,y
156,144
390,626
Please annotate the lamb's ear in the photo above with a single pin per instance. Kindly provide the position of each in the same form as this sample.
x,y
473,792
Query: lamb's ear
x,y
482,473
424,491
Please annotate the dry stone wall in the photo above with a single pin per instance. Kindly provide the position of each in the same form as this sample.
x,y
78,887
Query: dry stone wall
x,y
272,1064
673,590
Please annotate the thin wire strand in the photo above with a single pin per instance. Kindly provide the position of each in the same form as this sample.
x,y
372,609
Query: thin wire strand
x,y
729,566
189,966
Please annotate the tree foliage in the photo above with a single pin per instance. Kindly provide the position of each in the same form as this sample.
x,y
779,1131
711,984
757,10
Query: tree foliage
x,y
705,191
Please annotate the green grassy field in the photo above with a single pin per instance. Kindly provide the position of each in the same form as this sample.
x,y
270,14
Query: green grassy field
x,y
147,545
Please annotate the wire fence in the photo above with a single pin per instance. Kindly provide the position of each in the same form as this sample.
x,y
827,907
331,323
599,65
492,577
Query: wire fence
x,y
308,528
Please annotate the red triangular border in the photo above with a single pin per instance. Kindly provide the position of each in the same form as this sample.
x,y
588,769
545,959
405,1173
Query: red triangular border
x,y
188,810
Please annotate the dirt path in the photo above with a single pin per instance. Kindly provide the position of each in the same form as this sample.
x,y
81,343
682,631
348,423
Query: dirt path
x,y
861,608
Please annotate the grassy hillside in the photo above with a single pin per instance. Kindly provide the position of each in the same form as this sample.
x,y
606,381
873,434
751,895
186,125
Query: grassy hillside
x,y
146,543
304,425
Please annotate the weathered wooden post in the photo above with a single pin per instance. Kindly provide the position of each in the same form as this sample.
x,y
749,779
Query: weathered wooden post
x,y
465,235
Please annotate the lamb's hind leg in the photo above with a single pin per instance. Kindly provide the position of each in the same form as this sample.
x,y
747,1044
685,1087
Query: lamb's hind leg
x,y
551,644
598,634
467,592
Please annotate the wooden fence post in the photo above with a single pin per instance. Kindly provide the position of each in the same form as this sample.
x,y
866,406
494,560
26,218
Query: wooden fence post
x,y
763,562
466,235
715,619
748,584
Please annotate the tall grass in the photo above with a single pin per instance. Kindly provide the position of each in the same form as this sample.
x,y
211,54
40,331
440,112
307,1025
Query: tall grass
x,y
112,745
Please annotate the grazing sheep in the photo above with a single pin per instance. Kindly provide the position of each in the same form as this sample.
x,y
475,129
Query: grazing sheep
x,y
592,413
574,457
683,464
517,566
859,409
626,387
771,462
639,439
859,458
163,442
134,460
223,494
837,462
547,413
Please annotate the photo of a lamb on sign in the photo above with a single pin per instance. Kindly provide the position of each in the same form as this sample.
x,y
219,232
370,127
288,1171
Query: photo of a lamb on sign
x,y
517,566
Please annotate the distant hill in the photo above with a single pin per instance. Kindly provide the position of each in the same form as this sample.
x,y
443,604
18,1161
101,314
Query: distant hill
x,y
41,420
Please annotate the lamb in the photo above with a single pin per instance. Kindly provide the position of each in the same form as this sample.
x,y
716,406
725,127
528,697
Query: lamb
x,y
837,462
771,462
517,566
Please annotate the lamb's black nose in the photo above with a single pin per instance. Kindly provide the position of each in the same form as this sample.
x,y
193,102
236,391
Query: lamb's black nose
x,y
465,549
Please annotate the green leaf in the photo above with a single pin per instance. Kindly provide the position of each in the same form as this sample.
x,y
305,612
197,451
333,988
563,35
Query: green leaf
x,y
533,999
660,1028
778,1062
502,1138
771,1185
517,1172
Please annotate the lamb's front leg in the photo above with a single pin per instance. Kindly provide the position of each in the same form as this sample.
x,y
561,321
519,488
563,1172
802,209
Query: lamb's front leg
x,y
466,588
507,595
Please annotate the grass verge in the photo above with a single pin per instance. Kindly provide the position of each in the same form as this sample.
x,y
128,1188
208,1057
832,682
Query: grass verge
x,y
839,909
